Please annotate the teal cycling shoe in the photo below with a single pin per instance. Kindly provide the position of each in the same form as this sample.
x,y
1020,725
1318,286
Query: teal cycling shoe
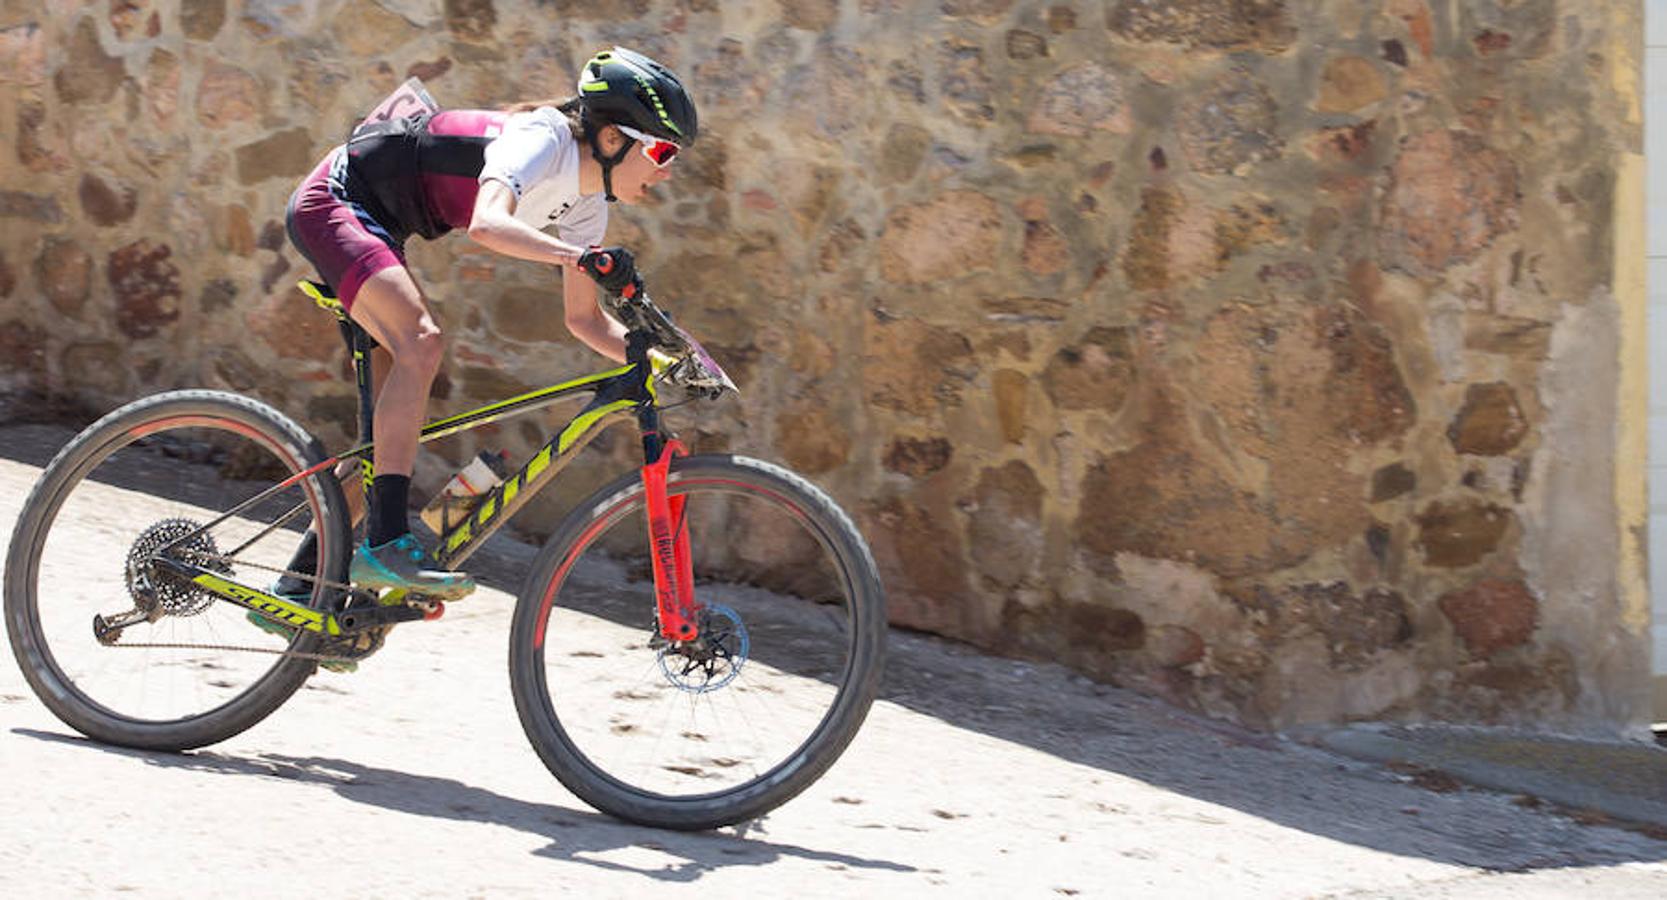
x,y
399,565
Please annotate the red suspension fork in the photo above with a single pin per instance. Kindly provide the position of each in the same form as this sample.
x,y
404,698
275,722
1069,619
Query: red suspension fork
x,y
668,533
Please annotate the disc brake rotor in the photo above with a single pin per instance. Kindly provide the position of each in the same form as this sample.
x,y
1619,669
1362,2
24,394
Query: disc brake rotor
x,y
150,588
712,660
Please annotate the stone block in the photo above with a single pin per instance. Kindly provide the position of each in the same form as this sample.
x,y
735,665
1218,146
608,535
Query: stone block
x,y
227,94
290,326
1450,195
87,74
1492,615
965,82
1146,256
1097,373
1392,481
1231,125
1349,83
1022,44
284,154
97,366
809,15
1173,646
132,19
367,30
1261,25
812,439
64,272
914,367
104,204
1046,251
146,283
471,20
39,147
1490,422
982,11
22,350
1454,534
23,55
162,81
1081,99
1011,388
904,147
201,19
951,235
918,457
1004,527
925,559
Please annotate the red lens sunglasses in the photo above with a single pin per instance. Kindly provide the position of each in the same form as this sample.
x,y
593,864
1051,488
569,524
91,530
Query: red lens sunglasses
x,y
659,152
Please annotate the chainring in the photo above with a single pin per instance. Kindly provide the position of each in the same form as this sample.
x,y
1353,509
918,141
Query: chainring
x,y
712,660
152,589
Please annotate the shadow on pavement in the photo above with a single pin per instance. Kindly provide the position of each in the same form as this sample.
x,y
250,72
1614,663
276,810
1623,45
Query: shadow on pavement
x,y
574,835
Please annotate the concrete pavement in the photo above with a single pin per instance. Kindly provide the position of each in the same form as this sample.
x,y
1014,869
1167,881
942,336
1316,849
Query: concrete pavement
x,y
974,776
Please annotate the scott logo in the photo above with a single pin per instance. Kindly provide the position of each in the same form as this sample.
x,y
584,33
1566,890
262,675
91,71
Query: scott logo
x,y
272,606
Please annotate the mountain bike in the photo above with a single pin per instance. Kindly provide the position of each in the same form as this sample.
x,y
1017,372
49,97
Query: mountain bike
x,y
694,644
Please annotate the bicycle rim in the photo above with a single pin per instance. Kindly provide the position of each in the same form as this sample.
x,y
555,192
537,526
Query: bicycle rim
x,y
645,720
128,495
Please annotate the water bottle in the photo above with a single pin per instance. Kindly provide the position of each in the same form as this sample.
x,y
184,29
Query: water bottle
x,y
460,495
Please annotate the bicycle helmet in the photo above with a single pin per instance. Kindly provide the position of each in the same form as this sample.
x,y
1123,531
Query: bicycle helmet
x,y
624,87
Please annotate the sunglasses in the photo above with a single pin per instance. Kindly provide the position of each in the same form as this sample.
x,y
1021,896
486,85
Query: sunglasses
x,y
659,152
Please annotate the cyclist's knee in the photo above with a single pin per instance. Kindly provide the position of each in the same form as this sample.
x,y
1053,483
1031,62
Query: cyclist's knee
x,y
421,351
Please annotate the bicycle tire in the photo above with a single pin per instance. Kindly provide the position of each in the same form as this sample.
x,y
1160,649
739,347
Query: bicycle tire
x,y
289,443
855,691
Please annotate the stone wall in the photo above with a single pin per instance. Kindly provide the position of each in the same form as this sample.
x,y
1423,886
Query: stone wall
x,y
1278,357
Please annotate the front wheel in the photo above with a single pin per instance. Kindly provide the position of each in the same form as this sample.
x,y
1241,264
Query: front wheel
x,y
694,736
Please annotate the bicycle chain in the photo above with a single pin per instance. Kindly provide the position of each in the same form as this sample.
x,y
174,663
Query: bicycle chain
x,y
299,576
320,657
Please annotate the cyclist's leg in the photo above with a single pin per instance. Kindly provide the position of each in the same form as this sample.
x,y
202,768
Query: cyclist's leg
x,y
390,306
345,246
365,265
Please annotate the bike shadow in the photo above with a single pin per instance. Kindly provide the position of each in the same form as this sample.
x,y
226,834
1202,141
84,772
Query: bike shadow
x,y
578,836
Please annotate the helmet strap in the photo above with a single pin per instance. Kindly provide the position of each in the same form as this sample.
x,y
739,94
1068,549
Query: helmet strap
x,y
607,162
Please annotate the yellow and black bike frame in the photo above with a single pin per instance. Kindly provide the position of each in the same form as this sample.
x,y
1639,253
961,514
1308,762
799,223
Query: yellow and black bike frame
x,y
618,393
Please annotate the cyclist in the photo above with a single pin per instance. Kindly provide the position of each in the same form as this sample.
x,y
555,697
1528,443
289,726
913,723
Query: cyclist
x,y
502,176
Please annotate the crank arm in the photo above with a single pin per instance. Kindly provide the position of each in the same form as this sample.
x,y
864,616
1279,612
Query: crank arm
x,y
354,621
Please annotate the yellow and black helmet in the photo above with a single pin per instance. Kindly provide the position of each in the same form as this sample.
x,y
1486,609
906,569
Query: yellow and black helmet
x,y
623,87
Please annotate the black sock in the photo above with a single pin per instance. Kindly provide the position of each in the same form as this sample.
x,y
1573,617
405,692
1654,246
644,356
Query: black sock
x,y
305,561
387,520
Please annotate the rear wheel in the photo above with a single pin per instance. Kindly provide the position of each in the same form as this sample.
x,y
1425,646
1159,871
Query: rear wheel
x,y
726,728
138,485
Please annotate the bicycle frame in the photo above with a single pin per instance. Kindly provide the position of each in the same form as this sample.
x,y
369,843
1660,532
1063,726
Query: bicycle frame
x,y
617,394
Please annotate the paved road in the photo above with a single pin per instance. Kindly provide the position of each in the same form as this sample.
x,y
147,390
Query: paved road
x,y
974,776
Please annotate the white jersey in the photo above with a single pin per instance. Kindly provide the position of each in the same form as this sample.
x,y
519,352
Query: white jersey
x,y
536,157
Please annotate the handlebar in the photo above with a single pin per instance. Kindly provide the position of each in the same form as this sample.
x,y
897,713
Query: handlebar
x,y
694,369
637,312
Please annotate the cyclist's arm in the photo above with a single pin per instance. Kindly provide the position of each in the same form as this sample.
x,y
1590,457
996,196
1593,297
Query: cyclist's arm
x,y
493,225
585,318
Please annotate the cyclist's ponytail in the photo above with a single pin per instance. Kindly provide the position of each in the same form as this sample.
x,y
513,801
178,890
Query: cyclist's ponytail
x,y
571,107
